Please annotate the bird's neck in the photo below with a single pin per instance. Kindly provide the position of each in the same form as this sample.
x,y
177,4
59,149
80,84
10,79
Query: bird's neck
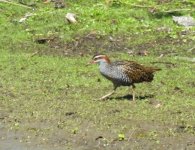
x,y
104,66
103,63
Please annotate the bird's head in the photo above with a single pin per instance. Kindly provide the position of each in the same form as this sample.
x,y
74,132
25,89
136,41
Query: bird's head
x,y
97,59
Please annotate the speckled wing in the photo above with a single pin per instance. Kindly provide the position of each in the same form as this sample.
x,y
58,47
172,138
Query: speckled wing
x,y
136,72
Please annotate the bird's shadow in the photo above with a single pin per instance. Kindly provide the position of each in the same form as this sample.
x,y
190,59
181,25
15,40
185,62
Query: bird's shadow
x,y
130,97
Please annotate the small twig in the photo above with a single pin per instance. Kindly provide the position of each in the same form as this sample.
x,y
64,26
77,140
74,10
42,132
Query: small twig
x,y
5,1
141,6
161,62
191,49
33,54
175,10
186,59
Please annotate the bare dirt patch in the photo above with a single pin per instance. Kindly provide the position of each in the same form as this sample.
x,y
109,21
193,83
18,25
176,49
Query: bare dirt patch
x,y
87,44
92,43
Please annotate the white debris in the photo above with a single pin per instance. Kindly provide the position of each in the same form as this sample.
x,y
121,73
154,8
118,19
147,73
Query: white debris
x,y
27,15
71,17
184,20
22,20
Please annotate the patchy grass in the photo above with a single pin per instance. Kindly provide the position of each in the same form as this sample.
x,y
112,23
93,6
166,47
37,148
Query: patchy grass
x,y
49,95
128,20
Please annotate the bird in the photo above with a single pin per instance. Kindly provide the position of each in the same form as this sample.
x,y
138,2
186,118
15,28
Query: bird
x,y
123,73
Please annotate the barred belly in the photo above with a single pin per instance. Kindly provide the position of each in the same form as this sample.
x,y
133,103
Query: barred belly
x,y
116,75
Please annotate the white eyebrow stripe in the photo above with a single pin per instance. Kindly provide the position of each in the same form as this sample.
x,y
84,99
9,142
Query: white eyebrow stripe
x,y
99,56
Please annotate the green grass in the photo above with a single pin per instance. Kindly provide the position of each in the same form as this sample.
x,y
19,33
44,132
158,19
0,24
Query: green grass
x,y
44,90
53,97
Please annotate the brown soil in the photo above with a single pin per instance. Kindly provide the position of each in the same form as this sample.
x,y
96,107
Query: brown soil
x,y
93,43
88,138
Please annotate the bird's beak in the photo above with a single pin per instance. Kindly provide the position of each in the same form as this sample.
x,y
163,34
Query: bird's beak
x,y
91,62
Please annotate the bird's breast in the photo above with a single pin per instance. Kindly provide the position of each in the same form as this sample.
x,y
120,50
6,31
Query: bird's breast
x,y
116,75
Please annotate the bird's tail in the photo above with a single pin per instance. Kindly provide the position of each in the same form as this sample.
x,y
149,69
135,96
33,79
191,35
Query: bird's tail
x,y
157,69
152,69
149,74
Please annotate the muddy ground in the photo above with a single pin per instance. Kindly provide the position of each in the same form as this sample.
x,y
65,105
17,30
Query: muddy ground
x,y
93,43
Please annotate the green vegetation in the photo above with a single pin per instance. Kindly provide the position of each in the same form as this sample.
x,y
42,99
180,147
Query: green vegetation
x,y
49,93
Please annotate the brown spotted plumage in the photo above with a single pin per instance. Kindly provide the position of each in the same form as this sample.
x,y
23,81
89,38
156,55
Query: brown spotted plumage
x,y
123,73
136,72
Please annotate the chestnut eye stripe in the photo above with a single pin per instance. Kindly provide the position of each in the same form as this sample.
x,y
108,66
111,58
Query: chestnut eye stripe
x,y
98,57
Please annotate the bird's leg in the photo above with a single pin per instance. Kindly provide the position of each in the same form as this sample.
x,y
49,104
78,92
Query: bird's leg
x,y
109,94
133,89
